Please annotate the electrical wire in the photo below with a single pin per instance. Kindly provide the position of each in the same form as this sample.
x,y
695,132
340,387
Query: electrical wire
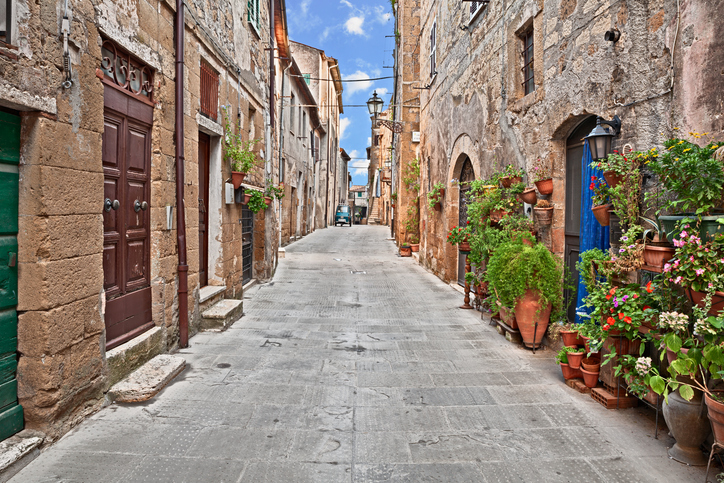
x,y
343,80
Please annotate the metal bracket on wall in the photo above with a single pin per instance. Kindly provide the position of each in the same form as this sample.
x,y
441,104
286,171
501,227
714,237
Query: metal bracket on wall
x,y
393,126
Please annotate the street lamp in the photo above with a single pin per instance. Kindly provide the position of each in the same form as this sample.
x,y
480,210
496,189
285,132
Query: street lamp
x,y
374,105
599,140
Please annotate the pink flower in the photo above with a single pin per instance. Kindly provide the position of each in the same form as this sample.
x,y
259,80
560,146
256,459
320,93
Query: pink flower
x,y
676,263
667,267
684,234
691,258
678,280
678,243
700,271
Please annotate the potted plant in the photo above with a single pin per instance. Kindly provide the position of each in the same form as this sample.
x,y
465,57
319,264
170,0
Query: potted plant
x,y
393,198
657,250
590,370
256,202
459,236
434,197
405,250
615,168
601,202
530,280
239,153
693,181
415,243
528,195
563,361
511,176
542,177
543,212
575,355
274,191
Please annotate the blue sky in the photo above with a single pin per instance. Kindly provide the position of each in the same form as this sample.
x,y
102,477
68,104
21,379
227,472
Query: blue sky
x,y
354,33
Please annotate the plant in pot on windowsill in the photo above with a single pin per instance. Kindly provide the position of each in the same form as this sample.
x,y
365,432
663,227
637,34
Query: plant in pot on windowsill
x,y
528,279
256,202
693,180
239,153
434,197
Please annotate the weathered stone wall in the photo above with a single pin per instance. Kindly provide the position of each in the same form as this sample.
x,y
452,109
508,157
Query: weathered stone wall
x,y
62,369
476,106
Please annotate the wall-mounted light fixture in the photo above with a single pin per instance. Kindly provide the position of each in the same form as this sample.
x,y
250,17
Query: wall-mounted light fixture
x,y
374,105
600,138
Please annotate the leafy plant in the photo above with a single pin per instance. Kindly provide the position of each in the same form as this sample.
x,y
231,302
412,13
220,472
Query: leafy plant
x,y
274,191
697,265
541,170
411,176
600,191
562,356
625,199
616,162
692,176
393,196
435,195
412,223
585,267
514,172
458,235
515,268
239,152
256,202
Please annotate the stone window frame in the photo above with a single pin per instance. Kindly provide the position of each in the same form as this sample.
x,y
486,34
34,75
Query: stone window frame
x,y
476,8
253,15
433,49
526,38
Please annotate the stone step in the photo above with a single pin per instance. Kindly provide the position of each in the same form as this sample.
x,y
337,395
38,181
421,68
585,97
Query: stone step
x,y
17,451
222,314
210,295
146,381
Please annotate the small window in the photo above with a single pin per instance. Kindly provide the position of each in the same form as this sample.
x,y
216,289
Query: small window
x,y
433,47
282,165
476,7
252,16
7,16
307,78
527,55
209,91
291,117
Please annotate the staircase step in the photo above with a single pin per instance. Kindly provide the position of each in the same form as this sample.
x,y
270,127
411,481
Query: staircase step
x,y
222,314
146,381
209,295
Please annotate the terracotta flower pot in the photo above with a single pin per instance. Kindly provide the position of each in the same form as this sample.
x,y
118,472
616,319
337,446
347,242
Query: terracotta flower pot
x,y
506,181
590,378
591,364
574,359
545,186
716,418
247,197
623,345
267,200
406,251
612,178
656,256
569,372
697,298
532,319
602,214
529,196
415,247
570,338
585,343
464,247
497,215
508,316
689,428
237,177
437,206
544,216
392,205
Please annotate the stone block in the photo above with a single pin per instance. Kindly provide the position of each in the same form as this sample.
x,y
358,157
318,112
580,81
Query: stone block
x,y
59,237
222,314
45,285
146,381
86,362
43,333
45,373
51,143
128,357
49,190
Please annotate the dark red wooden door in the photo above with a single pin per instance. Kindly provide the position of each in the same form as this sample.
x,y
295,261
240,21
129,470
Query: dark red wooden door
x,y
203,209
126,251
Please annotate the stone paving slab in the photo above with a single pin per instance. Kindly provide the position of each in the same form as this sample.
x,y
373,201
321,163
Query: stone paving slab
x,y
335,377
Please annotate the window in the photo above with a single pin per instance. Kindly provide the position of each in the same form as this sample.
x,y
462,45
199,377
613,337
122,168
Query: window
x,y
291,117
307,78
209,91
252,14
252,128
303,128
282,170
7,20
433,47
476,7
527,54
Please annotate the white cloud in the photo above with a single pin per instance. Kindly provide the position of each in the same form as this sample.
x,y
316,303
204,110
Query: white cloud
x,y
305,6
344,123
357,166
381,91
382,16
325,33
354,25
345,2
352,87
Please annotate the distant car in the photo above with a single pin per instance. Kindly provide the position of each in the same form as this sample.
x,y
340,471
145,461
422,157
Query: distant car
x,y
343,215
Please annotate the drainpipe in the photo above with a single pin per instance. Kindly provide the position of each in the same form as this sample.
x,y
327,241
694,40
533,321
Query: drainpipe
x,y
272,103
183,268
281,147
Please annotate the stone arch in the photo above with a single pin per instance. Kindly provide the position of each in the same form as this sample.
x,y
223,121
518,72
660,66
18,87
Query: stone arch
x,y
462,148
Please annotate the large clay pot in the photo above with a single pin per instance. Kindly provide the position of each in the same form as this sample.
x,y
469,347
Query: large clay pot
x,y
656,256
612,178
697,298
532,323
529,196
544,216
570,338
590,378
237,177
716,417
574,359
569,373
545,186
601,212
689,428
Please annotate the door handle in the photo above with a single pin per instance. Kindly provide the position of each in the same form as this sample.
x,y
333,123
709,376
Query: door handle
x,y
138,206
108,204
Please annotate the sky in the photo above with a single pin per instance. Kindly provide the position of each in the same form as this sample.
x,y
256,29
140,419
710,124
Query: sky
x,y
360,35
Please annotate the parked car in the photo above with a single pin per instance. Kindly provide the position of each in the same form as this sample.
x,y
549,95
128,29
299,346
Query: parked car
x,y
343,215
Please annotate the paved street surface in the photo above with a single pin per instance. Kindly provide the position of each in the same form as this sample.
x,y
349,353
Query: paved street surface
x,y
357,365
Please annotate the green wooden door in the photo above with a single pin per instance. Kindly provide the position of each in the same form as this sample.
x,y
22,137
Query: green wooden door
x,y
11,413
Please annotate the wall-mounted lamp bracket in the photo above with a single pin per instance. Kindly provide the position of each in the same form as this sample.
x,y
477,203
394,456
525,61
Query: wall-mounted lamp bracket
x,y
614,124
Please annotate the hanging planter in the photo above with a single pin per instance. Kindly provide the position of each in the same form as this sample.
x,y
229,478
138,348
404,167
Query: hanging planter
x,y
612,178
437,206
247,197
529,196
464,248
267,200
697,298
545,186
543,216
655,256
237,177
602,214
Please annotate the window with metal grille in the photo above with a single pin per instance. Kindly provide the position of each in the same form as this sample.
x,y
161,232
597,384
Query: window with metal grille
x,y
433,49
252,15
247,243
527,54
6,20
209,91
476,7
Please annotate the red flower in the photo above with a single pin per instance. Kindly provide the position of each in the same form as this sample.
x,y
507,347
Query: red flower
x,y
608,297
605,327
592,186
612,291
611,320
649,288
593,178
636,296
646,307
620,315
627,320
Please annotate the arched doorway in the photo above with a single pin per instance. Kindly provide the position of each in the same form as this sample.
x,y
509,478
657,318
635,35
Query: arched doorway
x,y
467,174
574,173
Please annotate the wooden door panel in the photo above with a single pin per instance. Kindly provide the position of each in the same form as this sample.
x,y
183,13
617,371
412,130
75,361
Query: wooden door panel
x,y
135,263
110,276
204,153
136,150
110,141
136,219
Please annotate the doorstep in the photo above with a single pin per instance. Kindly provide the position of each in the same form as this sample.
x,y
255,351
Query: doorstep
x,y
222,314
146,381
127,357
18,451
210,291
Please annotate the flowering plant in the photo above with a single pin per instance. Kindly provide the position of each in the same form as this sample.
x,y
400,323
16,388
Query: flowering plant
x,y
615,161
697,265
513,172
673,322
620,309
459,235
630,254
540,171
435,195
636,372
600,191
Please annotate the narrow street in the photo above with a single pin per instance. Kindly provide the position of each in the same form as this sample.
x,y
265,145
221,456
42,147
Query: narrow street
x,y
356,365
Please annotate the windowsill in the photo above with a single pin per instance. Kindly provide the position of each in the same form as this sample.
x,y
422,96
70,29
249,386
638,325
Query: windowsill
x,y
477,14
432,78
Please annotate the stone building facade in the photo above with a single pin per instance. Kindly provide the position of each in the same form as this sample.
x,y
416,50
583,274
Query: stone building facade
x,y
477,113
94,139
379,173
